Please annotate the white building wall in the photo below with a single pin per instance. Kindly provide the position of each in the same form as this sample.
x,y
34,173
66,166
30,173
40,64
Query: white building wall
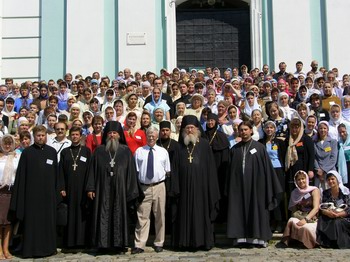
x,y
137,17
85,37
20,37
291,33
338,35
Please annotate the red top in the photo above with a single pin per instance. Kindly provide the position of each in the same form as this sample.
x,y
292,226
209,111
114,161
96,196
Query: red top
x,y
92,142
136,141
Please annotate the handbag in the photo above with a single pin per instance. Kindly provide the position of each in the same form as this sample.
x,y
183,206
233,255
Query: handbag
x,y
62,214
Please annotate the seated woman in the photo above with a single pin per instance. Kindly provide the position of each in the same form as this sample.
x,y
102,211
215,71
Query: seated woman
x,y
304,204
333,225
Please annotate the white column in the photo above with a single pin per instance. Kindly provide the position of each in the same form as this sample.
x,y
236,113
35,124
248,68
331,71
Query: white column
x,y
256,33
1,3
85,37
170,16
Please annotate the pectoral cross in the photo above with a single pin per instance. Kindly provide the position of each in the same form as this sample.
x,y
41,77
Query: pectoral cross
x,y
112,163
190,158
74,166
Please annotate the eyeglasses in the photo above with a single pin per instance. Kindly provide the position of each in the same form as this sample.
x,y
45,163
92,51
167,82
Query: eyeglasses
x,y
60,129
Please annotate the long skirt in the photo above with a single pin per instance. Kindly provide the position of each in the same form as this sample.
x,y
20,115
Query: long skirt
x,y
305,234
5,198
333,232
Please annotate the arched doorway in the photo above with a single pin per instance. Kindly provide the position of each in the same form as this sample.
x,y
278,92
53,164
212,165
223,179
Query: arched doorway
x,y
213,33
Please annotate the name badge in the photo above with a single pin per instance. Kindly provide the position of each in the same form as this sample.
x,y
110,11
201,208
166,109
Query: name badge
x,y
49,162
253,151
275,147
138,137
83,158
346,147
328,149
331,103
300,144
307,196
322,114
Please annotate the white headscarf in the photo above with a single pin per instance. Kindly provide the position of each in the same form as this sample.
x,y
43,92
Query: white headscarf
x,y
343,188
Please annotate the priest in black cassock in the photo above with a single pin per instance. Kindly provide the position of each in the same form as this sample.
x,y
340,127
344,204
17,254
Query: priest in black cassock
x,y
198,189
173,148
220,146
252,190
113,187
73,169
34,196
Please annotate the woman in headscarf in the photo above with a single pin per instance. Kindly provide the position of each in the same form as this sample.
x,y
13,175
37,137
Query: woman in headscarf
x,y
8,166
24,100
232,115
300,154
304,205
335,120
344,153
276,149
346,108
333,225
302,96
326,153
158,102
62,96
283,102
108,99
250,104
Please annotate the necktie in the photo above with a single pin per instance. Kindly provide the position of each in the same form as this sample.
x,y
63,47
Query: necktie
x,y
150,168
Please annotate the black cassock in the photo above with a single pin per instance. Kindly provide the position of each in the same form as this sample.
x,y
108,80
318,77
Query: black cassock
x,y
34,199
115,193
221,148
252,194
173,148
74,182
199,195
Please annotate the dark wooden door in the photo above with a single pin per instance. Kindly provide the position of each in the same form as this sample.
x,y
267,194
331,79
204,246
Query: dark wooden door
x,y
218,38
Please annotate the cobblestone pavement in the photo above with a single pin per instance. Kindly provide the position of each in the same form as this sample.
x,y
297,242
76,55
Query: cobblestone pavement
x,y
223,253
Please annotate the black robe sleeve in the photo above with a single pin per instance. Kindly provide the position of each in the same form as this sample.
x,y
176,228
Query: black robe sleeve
x,y
17,206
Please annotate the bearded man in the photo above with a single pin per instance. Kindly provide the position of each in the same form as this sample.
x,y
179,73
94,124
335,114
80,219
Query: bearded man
x,y
197,189
113,187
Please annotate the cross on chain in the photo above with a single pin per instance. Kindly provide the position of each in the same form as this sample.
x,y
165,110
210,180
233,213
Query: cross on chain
x,y
190,158
74,166
112,163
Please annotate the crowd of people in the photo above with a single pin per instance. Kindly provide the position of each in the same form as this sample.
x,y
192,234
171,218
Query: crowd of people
x,y
94,157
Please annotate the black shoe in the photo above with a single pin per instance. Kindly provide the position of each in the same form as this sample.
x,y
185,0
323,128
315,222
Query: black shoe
x,y
281,245
158,249
137,250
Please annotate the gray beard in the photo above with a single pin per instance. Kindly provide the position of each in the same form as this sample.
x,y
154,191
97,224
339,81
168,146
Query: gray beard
x,y
112,145
190,138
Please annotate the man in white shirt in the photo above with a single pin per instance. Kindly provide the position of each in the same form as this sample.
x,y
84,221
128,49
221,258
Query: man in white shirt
x,y
152,165
61,141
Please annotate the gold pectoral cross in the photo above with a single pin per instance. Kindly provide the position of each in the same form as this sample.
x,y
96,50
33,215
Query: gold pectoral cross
x,y
190,158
